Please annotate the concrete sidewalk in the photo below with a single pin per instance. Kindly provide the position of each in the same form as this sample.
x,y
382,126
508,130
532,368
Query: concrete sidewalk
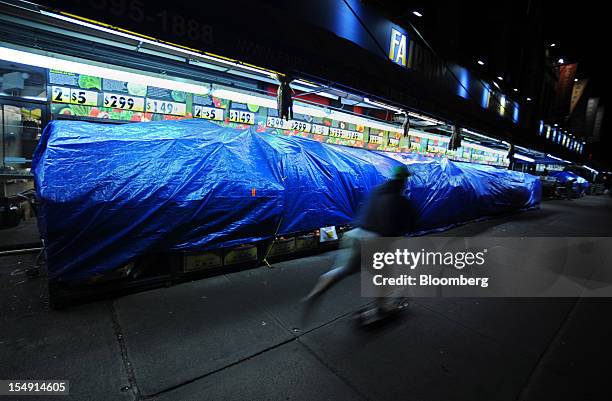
x,y
240,336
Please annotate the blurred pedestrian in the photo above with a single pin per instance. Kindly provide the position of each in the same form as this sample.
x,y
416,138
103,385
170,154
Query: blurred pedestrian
x,y
386,213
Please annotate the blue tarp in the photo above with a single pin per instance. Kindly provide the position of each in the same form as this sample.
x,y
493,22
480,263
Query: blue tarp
x,y
580,185
110,193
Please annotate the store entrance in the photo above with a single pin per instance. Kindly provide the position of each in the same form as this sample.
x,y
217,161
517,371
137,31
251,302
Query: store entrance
x,y
21,125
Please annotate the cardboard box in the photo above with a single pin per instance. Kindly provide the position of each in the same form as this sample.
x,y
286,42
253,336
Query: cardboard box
x,y
283,247
200,261
241,254
306,243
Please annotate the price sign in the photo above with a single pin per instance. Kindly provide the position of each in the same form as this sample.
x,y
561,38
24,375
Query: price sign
x,y
275,122
209,113
83,97
376,139
346,134
124,102
299,126
320,129
243,117
394,142
62,94
166,107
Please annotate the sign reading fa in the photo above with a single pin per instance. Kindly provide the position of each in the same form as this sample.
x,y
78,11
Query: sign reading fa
x,y
398,47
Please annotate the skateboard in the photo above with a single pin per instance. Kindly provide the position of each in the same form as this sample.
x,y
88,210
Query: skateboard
x,y
370,315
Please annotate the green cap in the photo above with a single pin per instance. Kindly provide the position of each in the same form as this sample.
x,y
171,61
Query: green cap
x,y
400,172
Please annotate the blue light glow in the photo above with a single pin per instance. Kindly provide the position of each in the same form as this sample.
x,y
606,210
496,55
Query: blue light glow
x,y
464,79
346,25
515,113
486,95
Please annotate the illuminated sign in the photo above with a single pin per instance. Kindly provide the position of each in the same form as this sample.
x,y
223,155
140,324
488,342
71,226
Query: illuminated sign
x,y
346,134
165,107
208,113
62,94
398,47
378,139
320,129
275,122
123,102
239,116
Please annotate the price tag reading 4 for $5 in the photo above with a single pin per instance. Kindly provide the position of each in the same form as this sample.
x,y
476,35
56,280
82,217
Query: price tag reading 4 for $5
x,y
62,94
124,102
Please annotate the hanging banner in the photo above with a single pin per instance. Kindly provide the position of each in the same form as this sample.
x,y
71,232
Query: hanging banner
x,y
567,72
577,93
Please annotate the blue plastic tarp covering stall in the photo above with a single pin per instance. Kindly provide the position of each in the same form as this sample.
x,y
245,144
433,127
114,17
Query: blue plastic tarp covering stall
x,y
579,185
110,193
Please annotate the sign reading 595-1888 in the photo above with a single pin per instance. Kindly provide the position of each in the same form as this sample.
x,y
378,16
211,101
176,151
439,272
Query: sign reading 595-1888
x,y
147,17
62,94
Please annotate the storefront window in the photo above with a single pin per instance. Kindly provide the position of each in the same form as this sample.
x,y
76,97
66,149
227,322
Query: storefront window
x,y
22,81
20,130
20,117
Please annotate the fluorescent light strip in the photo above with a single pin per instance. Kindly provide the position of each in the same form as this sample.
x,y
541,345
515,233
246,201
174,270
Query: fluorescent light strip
x,y
244,98
311,111
227,62
382,105
591,169
314,91
101,28
305,83
421,134
155,43
525,158
483,148
556,158
55,62
479,135
425,118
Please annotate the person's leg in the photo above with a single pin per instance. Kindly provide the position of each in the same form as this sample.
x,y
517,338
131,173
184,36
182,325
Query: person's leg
x,y
335,275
